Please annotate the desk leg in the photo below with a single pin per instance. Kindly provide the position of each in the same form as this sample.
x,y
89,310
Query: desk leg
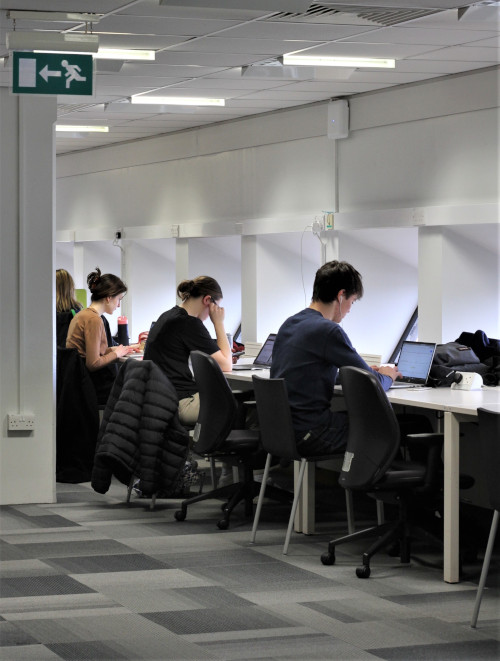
x,y
451,497
305,515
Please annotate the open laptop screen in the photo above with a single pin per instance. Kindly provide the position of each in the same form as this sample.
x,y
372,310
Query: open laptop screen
x,y
263,358
265,354
415,361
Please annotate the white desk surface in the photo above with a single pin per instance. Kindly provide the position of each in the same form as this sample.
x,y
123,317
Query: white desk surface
x,y
439,399
445,399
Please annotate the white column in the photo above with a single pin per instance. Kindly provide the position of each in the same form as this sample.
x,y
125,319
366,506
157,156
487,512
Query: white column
x,y
181,260
27,313
249,311
458,281
430,284
79,275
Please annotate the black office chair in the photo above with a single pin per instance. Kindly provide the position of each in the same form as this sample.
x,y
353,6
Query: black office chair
x,y
278,440
489,431
373,464
215,437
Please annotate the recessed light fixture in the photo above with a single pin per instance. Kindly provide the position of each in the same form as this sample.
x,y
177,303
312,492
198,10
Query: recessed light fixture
x,y
82,129
177,100
54,16
110,54
331,61
65,42
123,54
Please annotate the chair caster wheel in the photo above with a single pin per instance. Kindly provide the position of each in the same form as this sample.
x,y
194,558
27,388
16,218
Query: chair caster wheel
x,y
328,558
363,572
180,515
223,524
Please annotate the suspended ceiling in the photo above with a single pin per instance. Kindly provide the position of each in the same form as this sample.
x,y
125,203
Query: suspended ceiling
x,y
203,51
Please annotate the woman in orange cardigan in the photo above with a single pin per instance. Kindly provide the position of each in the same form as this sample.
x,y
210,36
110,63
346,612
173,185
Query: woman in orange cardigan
x,y
87,332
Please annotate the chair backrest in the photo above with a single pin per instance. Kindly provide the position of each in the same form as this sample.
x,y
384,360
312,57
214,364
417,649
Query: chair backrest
x,y
489,431
275,420
374,435
217,403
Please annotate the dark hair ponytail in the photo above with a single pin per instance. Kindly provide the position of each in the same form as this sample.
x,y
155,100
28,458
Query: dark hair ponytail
x,y
101,286
203,285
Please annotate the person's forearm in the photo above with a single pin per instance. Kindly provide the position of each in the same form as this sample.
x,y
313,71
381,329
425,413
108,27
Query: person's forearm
x,y
223,343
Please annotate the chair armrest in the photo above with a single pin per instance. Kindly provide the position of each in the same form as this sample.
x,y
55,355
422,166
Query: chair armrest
x,y
433,479
429,439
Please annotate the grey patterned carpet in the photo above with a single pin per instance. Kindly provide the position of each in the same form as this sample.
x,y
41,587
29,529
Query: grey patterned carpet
x,y
92,578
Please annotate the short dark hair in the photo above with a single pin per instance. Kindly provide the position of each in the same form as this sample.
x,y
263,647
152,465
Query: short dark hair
x,y
101,286
334,276
203,285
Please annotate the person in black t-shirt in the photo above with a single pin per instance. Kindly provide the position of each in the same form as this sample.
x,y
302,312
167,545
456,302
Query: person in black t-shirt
x,y
180,330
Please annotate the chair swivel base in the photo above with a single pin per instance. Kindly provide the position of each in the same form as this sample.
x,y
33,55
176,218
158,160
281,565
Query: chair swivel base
x,y
233,494
398,533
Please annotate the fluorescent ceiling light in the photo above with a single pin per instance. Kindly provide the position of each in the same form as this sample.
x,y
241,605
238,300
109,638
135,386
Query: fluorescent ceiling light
x,y
263,71
279,73
177,100
329,61
111,54
53,41
123,54
82,129
57,16
140,108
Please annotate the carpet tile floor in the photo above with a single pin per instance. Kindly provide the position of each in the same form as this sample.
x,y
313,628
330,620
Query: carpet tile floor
x,y
92,578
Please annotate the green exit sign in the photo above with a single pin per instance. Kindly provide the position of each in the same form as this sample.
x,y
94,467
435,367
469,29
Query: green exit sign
x,y
52,73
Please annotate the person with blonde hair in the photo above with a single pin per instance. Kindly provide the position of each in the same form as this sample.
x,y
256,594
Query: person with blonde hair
x,y
87,332
181,330
66,305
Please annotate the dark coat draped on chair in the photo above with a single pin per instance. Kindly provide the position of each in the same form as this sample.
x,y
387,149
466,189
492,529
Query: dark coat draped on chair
x,y
140,434
77,418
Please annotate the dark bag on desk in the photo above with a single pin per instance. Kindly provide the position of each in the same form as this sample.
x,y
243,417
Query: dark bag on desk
x,y
450,358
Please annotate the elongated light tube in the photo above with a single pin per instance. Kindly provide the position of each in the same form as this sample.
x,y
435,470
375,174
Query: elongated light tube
x,y
330,61
82,129
177,100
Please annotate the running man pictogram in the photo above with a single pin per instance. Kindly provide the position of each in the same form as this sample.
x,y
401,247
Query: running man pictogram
x,y
72,72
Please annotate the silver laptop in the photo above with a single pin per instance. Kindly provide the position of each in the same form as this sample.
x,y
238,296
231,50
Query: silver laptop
x,y
262,359
414,363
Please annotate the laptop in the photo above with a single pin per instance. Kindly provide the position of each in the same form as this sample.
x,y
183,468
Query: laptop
x,y
415,360
262,359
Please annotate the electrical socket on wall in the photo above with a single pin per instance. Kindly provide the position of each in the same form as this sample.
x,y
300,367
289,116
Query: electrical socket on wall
x,y
21,422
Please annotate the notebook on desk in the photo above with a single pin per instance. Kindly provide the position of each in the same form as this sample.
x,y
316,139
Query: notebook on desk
x,y
262,359
414,363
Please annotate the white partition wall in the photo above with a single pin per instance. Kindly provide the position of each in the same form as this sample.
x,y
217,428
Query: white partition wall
x,y
220,258
149,272
285,268
388,262
459,281
27,311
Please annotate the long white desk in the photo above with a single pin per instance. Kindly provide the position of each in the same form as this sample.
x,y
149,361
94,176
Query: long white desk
x,y
457,406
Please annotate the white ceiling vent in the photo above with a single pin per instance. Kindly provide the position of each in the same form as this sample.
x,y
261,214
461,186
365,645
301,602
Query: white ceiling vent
x,y
386,16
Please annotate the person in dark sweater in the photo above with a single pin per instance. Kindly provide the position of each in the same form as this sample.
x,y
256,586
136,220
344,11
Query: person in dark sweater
x,y
180,330
310,348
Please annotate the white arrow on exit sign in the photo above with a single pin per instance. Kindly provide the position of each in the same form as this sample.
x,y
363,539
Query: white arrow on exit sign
x,y
46,72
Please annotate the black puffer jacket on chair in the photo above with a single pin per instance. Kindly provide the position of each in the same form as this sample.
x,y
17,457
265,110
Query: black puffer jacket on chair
x,y
140,434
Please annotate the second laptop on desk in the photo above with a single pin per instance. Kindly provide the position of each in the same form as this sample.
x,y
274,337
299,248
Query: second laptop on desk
x,y
262,359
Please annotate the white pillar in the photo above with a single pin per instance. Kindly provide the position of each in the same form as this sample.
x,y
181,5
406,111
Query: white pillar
x,y
181,260
27,288
249,280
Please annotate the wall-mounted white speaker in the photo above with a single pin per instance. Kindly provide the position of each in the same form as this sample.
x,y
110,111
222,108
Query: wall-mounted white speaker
x,y
338,119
